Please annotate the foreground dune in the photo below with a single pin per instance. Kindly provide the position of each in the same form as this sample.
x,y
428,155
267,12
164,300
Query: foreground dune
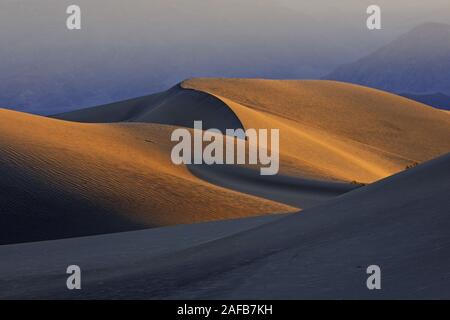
x,y
400,224
328,130
63,179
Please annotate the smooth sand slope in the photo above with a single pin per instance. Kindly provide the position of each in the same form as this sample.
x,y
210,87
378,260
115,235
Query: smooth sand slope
x,y
63,179
328,130
400,223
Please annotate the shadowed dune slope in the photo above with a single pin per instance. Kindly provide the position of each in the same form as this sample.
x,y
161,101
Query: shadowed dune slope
x,y
333,130
294,191
63,179
400,223
176,106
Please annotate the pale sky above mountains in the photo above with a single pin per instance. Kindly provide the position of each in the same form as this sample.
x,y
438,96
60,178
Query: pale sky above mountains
x,y
127,49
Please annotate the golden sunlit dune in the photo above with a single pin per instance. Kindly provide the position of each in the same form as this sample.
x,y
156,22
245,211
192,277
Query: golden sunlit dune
x,y
108,168
62,179
333,130
328,130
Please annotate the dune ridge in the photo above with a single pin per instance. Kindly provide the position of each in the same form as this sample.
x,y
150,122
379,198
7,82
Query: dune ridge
x,y
176,106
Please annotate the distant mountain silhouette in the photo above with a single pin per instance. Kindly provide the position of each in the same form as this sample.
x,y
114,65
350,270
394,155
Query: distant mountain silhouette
x,y
437,100
416,63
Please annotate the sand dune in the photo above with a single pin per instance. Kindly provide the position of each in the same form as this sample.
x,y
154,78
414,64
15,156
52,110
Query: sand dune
x,y
328,130
333,130
63,179
108,169
400,223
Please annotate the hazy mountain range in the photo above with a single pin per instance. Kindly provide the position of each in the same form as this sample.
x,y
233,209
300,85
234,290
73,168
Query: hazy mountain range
x,y
416,65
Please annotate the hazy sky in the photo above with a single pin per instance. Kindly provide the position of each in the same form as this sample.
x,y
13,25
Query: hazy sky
x,y
345,19
131,48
